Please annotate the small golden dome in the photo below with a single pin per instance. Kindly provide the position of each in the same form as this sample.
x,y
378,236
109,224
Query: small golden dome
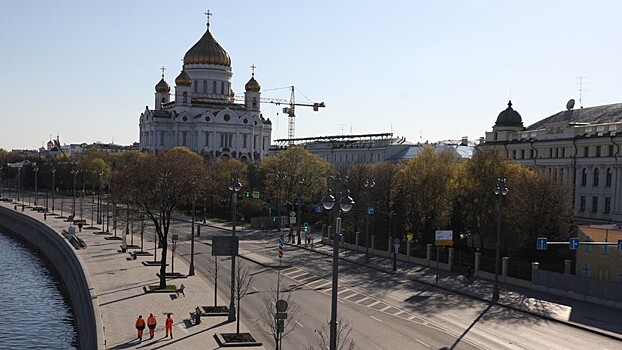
x,y
207,51
162,86
183,79
252,85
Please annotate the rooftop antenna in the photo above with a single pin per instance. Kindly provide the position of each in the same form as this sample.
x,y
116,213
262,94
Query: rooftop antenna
x,y
342,128
581,89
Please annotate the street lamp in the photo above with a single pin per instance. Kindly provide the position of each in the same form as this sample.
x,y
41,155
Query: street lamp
x,y
369,184
500,190
299,213
1,168
36,170
74,172
19,182
345,204
194,201
99,201
234,187
53,188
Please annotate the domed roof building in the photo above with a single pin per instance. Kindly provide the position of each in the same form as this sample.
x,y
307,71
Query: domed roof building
x,y
202,113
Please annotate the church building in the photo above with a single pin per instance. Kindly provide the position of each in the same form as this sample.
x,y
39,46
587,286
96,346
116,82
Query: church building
x,y
201,112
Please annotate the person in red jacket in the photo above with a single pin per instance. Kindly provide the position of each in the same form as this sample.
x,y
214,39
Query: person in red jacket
x,y
140,326
151,323
169,325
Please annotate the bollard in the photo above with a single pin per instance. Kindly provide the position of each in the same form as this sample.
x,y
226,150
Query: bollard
x,y
450,259
408,244
198,230
389,245
478,258
535,266
504,267
356,240
567,265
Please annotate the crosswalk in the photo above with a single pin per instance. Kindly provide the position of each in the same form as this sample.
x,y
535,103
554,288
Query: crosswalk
x,y
345,294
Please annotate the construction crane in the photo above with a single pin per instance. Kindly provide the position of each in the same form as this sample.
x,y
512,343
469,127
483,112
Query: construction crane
x,y
290,110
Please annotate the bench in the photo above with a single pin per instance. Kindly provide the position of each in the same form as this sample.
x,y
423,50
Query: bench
x,y
180,290
196,316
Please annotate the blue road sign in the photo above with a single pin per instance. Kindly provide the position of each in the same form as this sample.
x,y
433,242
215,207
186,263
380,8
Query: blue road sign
x,y
574,244
370,211
619,245
319,208
541,243
281,239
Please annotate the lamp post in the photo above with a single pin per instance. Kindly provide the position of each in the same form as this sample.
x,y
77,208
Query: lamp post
x,y
53,188
500,190
36,170
19,182
1,168
299,209
191,270
280,178
235,186
369,184
345,204
74,172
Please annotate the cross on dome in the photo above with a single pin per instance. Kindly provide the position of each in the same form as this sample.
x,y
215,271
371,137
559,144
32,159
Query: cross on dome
x,y
253,68
163,69
208,14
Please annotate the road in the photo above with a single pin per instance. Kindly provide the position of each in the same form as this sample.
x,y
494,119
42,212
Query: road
x,y
384,310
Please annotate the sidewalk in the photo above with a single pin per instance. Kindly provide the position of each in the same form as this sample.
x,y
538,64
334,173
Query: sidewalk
x,y
590,317
119,284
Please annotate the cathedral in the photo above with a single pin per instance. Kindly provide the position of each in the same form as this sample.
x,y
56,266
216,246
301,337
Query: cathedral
x,y
203,115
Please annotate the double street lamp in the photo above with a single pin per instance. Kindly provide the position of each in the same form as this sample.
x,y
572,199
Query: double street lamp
x,y
74,172
345,204
234,187
53,188
36,170
191,270
501,191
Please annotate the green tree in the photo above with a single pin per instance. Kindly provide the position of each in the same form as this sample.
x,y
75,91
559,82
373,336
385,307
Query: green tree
x,y
157,184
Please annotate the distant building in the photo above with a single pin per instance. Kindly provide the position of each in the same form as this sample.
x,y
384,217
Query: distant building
x,y
203,115
578,146
600,262
347,150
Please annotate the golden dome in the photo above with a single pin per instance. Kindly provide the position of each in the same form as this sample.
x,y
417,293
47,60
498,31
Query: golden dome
x,y
252,85
162,86
183,79
207,51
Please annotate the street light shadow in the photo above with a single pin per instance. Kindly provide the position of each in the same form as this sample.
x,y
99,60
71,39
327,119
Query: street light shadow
x,y
470,326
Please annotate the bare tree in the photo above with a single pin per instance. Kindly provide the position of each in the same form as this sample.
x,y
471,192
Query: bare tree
x,y
268,318
344,338
212,271
242,284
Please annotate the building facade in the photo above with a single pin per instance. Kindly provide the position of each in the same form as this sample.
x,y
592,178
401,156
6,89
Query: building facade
x,y
577,146
601,262
202,114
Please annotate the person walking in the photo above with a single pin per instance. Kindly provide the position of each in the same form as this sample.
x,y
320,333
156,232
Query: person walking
x,y
151,323
168,325
140,326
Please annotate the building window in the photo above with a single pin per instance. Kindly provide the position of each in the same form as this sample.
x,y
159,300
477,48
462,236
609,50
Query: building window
x,y
595,177
605,250
532,154
563,152
561,174
607,209
206,138
550,153
586,270
522,154
222,87
204,86
214,86
610,150
255,141
184,97
244,137
161,138
597,151
184,137
513,154
583,177
588,248
594,204
582,203
586,151
620,276
608,178
603,274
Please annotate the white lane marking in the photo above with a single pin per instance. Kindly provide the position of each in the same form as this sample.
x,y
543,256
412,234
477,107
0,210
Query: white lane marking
x,y
422,342
377,319
300,324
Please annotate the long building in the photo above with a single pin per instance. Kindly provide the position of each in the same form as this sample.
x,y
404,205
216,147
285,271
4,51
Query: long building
x,y
578,146
203,115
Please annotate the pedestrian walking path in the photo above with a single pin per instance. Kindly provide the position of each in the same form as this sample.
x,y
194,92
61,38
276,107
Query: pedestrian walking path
x,y
119,284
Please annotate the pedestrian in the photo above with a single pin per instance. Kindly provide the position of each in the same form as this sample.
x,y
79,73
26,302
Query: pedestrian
x,y
45,216
80,226
168,325
140,326
151,323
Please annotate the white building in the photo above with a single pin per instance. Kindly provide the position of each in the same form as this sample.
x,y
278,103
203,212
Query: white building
x,y
578,146
203,115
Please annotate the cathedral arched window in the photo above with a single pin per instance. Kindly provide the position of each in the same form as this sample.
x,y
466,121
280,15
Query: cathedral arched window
x,y
583,177
184,97
254,102
196,86
222,87
595,177
214,87
204,86
608,178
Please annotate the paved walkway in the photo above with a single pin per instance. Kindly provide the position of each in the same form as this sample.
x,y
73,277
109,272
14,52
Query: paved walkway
x,y
119,285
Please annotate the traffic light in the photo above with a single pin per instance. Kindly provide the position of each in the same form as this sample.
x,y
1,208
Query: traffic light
x,y
306,227
247,194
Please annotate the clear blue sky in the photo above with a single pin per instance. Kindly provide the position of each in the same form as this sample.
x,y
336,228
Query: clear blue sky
x,y
426,70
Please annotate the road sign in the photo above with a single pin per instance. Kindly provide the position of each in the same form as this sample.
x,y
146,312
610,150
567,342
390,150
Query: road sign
x,y
370,210
292,219
319,208
255,194
444,237
292,213
541,243
574,244
281,239
281,305
396,244
224,246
